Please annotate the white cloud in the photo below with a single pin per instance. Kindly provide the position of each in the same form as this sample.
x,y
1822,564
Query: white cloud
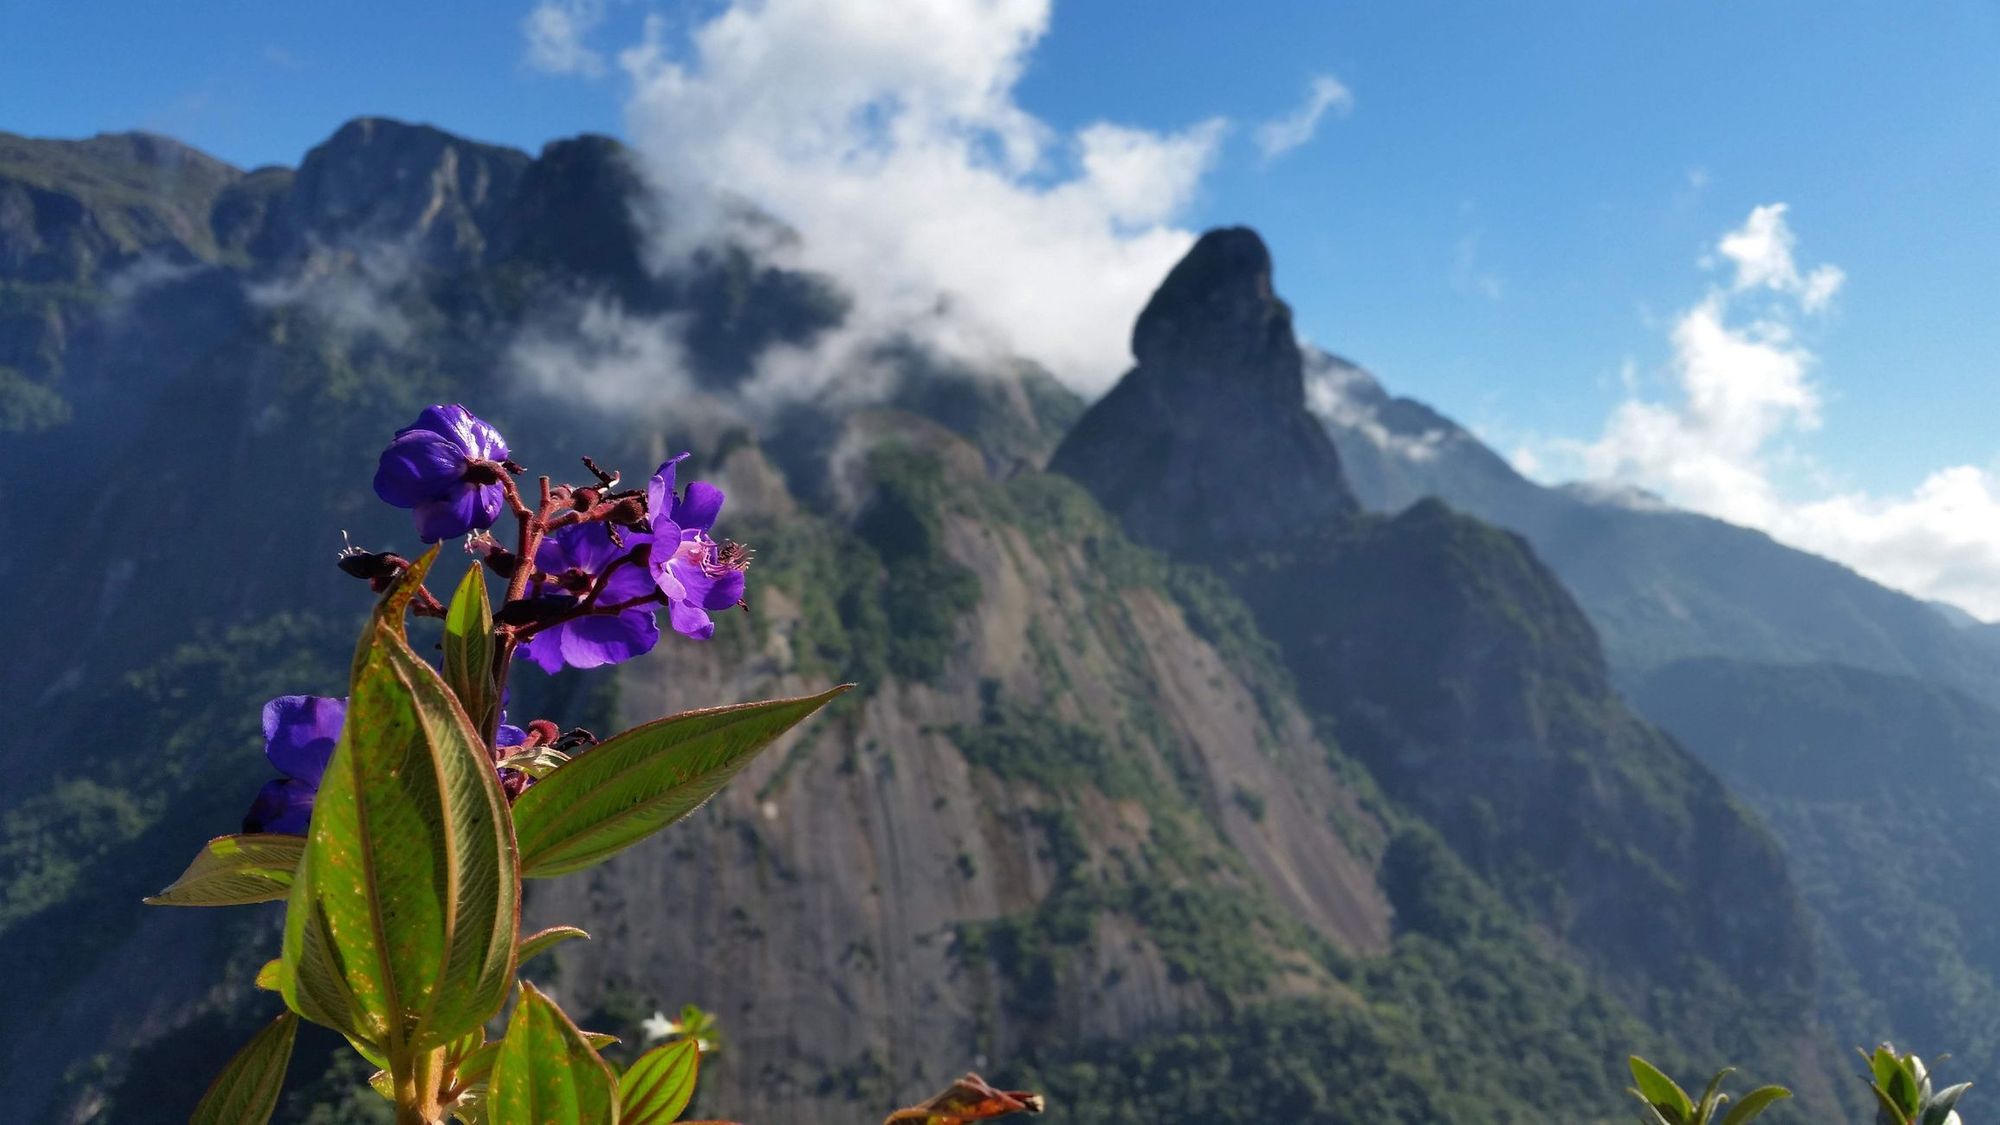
x,y
1281,135
888,134
1762,254
350,289
1347,396
1725,441
555,31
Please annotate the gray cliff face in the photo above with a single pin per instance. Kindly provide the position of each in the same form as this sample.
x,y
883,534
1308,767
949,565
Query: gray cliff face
x,y
375,180
1206,443
825,904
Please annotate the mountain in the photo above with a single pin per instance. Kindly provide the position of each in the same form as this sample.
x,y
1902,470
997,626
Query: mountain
x,y
1186,792
1451,662
1859,722
1895,864
1659,583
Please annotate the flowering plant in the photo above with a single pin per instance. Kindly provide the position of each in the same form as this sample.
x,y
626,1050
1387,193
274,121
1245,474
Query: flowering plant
x,y
408,812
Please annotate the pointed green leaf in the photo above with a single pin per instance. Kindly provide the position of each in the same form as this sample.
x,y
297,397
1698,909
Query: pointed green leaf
x,y
543,940
468,650
478,1066
1754,1103
659,1084
545,1071
235,870
636,783
1884,1064
270,978
401,926
1659,1090
1653,1114
1938,1109
1902,1089
1713,1097
1888,1112
246,1092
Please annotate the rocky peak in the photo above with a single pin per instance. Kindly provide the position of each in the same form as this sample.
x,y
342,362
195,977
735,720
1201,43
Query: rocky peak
x,y
1216,318
1207,444
377,180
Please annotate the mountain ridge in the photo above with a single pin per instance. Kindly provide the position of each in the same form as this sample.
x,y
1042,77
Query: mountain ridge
x,y
1095,813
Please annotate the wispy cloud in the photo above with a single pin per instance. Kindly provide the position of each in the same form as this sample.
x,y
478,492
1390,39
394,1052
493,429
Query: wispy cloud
x,y
890,137
1280,135
1762,254
349,289
555,31
1727,439
1469,274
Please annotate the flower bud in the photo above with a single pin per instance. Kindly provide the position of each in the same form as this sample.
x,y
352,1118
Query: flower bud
x,y
370,565
534,611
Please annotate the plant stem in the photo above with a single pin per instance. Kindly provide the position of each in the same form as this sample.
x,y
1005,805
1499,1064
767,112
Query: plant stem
x,y
419,1081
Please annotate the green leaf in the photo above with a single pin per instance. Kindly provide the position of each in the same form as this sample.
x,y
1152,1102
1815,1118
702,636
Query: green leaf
x,y
401,926
659,1084
1653,1114
1891,1113
1902,1089
270,978
246,1092
546,1071
1755,1103
236,870
1713,1097
1660,1091
478,1066
1884,1064
542,940
468,651
537,763
1939,1107
636,783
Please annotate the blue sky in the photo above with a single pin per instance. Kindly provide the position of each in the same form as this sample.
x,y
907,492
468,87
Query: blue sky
x,y
1508,219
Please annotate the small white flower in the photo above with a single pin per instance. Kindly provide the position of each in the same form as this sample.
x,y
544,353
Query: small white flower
x,y
658,1026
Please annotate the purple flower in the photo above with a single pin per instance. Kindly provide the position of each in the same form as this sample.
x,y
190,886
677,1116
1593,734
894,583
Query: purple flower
x,y
429,468
697,574
299,733
569,562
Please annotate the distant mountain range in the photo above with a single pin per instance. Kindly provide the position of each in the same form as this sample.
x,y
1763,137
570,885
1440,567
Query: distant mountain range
x,y
1861,723
1210,773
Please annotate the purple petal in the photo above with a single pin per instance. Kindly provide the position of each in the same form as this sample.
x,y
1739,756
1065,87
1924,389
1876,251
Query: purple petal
x,y
418,466
724,592
545,650
473,436
699,507
592,642
705,590
660,495
283,805
666,574
690,621
491,499
299,733
510,735
450,517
